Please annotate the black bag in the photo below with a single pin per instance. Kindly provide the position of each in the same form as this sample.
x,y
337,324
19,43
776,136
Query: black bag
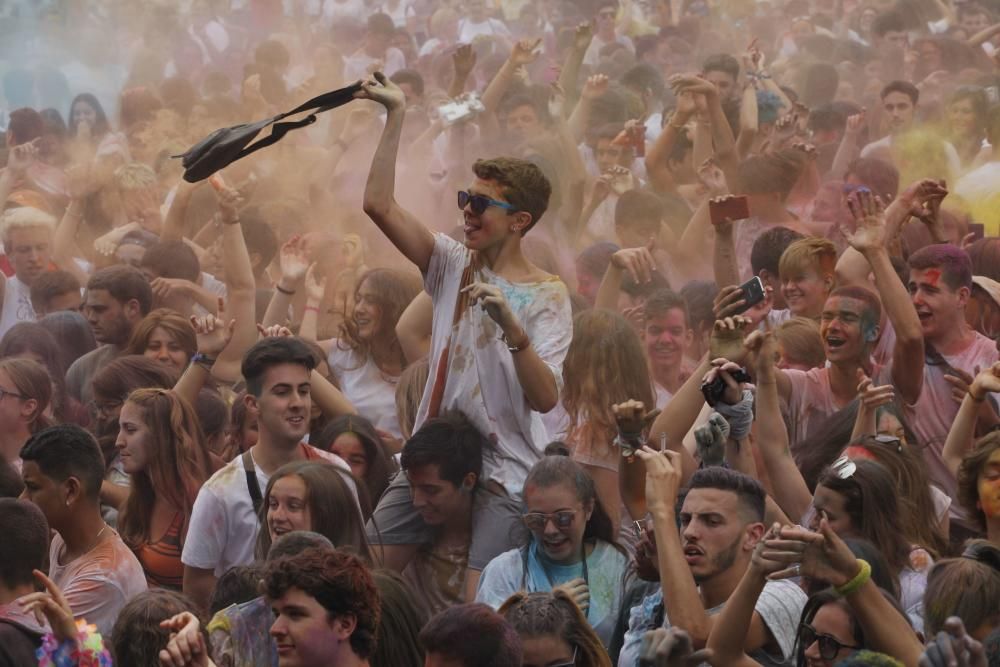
x,y
229,144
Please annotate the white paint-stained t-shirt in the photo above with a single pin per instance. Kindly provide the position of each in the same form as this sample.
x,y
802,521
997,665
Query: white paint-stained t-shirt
x,y
480,379
370,391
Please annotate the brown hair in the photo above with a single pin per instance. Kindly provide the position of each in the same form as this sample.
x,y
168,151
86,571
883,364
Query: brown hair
x,y
137,637
339,582
332,506
801,342
522,183
969,471
31,381
966,587
394,291
380,467
175,324
178,462
555,614
605,364
917,516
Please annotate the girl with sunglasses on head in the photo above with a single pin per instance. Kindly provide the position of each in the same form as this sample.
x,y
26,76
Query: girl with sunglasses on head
x,y
553,630
571,546
162,448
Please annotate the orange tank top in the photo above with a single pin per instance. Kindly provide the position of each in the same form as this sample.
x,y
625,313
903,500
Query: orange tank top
x,y
161,560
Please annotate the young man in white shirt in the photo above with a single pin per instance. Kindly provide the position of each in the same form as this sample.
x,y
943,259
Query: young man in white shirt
x,y
376,51
27,240
501,326
224,524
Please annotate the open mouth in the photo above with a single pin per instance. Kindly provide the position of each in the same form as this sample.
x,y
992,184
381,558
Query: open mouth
x,y
835,342
298,420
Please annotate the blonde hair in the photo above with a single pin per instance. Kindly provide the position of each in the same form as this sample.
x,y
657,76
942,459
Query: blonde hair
x,y
801,342
809,253
24,217
135,176
409,393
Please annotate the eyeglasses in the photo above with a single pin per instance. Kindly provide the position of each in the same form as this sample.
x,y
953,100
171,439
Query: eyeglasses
x,y
4,393
571,663
479,203
829,646
537,521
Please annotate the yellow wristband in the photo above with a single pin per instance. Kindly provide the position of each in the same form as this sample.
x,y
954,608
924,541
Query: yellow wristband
x,y
863,575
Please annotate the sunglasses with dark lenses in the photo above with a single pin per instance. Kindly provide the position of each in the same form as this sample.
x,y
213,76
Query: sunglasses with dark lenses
x,y
479,203
829,646
537,521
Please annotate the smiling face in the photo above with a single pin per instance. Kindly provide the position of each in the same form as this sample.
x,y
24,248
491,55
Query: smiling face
x,y
713,533
561,545
805,291
667,338
288,507
367,312
493,226
940,308
436,499
164,348
282,409
135,441
843,326
962,117
303,631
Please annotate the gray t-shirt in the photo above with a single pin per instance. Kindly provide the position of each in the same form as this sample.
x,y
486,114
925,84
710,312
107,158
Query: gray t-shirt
x,y
83,370
780,607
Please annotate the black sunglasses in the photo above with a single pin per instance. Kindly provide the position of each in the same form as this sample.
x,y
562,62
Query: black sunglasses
x,y
829,646
479,203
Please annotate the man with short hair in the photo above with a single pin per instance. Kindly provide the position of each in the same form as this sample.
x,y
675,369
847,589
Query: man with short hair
x,y
667,335
174,274
501,325
720,522
96,571
890,32
225,514
27,240
899,103
376,51
23,549
605,33
724,72
471,635
443,462
326,609
116,300
54,291
765,259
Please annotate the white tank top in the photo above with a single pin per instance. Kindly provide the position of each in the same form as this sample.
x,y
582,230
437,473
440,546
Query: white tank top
x,y
16,305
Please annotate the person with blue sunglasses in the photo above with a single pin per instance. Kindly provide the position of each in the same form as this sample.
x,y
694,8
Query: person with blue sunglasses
x,y
500,328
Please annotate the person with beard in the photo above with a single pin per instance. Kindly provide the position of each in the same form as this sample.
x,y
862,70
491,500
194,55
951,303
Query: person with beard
x,y
117,299
501,325
27,240
224,519
701,563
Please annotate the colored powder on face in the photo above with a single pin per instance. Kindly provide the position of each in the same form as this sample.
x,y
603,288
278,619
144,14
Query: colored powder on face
x,y
933,277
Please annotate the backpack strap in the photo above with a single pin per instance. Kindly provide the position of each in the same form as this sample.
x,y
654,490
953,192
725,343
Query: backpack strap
x,y
256,497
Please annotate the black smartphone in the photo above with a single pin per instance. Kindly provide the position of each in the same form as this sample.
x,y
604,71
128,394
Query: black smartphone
x,y
977,229
752,292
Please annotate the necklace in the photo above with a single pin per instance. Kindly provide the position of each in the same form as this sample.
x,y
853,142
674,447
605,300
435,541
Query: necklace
x,y
96,539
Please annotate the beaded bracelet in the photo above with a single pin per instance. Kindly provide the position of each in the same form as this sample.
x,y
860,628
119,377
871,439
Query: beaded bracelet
x,y
863,575
87,650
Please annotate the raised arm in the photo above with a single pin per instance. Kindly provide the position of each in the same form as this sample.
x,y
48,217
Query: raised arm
x,y
787,485
639,263
408,234
414,327
570,75
658,155
849,148
523,54
293,262
213,333
463,61
963,429
869,239
241,288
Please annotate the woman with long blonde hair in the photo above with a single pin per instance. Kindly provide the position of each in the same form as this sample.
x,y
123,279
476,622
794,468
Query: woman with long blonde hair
x,y
605,365
161,448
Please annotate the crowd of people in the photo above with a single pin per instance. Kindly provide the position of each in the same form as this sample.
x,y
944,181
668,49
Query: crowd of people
x,y
699,366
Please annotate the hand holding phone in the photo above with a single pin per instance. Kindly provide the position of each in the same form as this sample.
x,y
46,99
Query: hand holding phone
x,y
729,208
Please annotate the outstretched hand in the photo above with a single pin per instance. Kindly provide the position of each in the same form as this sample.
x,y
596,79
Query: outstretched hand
x,y
212,332
869,221
51,606
379,88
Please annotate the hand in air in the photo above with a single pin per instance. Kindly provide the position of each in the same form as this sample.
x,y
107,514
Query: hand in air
x,y
211,331
379,88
